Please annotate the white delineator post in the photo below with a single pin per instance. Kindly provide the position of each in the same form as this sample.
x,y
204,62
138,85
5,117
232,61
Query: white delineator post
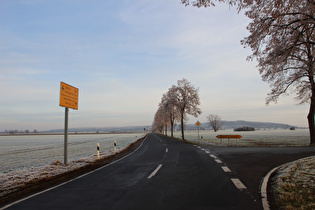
x,y
98,151
115,145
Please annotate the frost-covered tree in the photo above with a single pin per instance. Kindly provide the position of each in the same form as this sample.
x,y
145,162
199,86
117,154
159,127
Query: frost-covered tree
x,y
180,100
170,107
215,122
282,40
187,101
160,121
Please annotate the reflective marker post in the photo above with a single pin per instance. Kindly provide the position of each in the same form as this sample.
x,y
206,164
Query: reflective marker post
x,y
98,150
66,137
115,144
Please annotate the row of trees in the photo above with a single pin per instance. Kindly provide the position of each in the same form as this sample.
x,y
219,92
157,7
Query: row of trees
x,y
19,132
282,38
179,101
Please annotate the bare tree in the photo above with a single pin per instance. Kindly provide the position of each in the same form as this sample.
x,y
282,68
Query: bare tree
x,y
187,101
215,122
282,40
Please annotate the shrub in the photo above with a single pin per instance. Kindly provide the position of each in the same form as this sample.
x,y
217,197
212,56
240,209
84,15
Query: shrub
x,y
245,128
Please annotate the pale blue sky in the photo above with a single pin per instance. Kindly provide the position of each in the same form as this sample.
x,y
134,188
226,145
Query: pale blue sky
x,y
123,55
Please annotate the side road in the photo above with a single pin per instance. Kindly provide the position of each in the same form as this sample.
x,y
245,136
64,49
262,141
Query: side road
x,y
251,164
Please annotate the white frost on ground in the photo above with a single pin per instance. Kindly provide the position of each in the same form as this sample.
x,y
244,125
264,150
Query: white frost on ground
x,y
295,184
12,181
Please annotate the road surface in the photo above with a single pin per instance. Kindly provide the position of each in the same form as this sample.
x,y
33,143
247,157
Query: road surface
x,y
162,173
251,164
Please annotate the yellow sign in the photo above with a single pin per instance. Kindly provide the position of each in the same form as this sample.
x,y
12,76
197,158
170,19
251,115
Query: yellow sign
x,y
69,96
229,136
198,124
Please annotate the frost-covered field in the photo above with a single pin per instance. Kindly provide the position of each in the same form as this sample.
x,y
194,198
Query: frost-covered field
x,y
30,158
251,138
12,181
22,152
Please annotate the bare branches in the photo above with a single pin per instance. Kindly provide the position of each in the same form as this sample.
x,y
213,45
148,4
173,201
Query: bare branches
x,y
179,101
215,122
282,40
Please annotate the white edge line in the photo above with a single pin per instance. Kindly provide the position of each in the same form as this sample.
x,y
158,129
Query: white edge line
x,y
79,177
155,171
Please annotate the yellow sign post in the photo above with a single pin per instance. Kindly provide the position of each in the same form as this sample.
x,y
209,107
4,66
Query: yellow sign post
x,y
69,96
198,125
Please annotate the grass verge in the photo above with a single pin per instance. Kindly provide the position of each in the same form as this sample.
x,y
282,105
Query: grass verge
x,y
293,185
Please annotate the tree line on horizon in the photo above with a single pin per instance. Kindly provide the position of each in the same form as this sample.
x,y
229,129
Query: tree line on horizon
x,y
19,131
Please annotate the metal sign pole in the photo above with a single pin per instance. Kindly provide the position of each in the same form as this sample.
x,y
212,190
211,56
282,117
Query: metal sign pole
x,y
66,137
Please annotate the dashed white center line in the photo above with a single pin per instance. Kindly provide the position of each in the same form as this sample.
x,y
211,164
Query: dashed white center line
x,y
238,184
213,156
226,169
166,150
155,171
218,160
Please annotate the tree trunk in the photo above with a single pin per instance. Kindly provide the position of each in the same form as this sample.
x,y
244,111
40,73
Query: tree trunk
x,y
310,118
182,125
172,128
172,124
165,130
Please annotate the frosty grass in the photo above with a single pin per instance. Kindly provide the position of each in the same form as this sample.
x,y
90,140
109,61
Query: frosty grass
x,y
12,181
295,184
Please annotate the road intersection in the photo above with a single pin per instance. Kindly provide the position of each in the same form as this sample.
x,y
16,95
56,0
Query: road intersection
x,y
165,173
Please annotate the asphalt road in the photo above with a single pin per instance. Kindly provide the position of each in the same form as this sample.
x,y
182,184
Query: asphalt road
x,y
161,174
251,164
164,173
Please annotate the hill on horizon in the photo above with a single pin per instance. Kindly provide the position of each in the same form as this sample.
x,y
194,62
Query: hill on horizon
x,y
203,126
242,123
